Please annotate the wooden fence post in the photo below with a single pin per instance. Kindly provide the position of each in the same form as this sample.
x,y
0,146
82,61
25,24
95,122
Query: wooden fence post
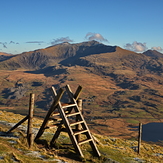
x,y
139,137
30,135
78,127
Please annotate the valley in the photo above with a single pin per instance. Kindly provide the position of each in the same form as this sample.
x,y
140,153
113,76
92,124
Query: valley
x,y
120,88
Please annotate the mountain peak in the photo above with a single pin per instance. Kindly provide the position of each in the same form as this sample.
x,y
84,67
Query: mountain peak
x,y
153,54
91,43
62,43
65,43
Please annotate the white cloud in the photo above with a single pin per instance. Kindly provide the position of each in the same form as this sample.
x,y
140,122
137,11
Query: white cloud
x,y
95,36
157,48
61,40
136,46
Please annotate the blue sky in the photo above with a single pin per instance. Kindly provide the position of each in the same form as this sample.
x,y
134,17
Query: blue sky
x,y
34,24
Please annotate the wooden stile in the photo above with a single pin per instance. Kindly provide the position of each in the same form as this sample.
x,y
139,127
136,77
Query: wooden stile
x,y
69,112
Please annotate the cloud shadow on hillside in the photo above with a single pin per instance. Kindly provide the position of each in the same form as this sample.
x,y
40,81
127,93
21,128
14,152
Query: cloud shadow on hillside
x,y
83,52
49,71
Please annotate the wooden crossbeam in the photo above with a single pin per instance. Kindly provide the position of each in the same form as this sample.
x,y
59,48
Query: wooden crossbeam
x,y
19,123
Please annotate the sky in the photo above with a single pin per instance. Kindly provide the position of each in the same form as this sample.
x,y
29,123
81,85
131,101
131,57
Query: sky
x,y
28,25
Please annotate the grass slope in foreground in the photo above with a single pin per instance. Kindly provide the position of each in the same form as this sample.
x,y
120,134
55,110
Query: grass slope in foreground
x,y
14,148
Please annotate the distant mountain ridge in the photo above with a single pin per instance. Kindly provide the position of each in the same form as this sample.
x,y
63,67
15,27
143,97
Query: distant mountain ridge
x,y
153,53
53,55
72,54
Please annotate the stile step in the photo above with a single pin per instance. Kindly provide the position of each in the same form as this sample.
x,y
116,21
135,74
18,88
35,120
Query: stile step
x,y
52,126
80,132
76,123
56,114
84,141
72,114
55,119
69,105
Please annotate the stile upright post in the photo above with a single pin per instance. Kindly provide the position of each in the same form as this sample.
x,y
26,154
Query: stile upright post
x,y
139,137
30,120
78,127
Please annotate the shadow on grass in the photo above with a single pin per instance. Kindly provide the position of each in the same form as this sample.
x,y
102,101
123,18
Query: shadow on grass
x,y
63,150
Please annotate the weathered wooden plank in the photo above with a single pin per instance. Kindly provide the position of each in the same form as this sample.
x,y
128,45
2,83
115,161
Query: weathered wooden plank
x,y
19,123
30,120
72,114
76,123
71,95
54,91
56,135
79,127
68,106
85,141
139,137
80,132
78,92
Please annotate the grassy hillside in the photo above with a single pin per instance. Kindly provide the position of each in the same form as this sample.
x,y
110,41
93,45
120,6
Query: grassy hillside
x,y
104,98
14,146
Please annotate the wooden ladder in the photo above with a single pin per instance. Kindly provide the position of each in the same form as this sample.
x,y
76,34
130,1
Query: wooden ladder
x,y
71,118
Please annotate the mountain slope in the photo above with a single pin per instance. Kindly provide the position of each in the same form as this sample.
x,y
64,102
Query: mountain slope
x,y
4,56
